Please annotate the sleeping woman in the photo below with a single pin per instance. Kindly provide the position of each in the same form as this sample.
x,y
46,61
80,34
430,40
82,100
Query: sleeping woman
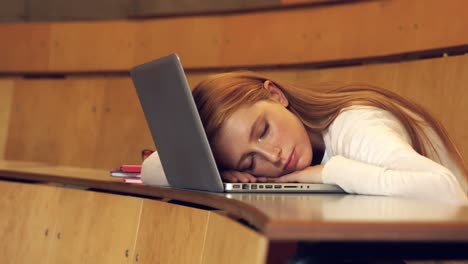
x,y
365,139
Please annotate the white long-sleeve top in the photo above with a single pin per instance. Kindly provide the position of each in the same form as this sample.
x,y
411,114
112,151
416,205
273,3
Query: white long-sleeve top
x,y
368,151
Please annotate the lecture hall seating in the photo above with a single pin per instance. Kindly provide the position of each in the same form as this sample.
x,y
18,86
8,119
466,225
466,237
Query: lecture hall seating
x,y
66,101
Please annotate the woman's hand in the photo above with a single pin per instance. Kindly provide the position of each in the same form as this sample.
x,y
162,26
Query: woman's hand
x,y
237,176
311,174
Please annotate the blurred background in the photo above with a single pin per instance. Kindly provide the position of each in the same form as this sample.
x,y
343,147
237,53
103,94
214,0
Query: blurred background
x,y
66,97
56,10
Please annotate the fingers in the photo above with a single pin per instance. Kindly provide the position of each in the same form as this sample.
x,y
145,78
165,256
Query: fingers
x,y
243,177
228,177
251,177
237,176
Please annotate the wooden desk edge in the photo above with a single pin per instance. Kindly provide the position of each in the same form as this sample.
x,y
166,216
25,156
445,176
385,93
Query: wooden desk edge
x,y
381,231
275,230
234,208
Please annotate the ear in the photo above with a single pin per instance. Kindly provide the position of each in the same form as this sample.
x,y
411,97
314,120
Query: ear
x,y
276,93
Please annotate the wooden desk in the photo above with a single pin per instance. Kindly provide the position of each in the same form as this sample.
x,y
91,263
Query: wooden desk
x,y
311,218
338,217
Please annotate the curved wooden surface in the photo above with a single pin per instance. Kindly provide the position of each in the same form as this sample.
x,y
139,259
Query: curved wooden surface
x,y
6,95
335,217
46,224
165,8
91,122
50,224
309,35
308,217
100,180
97,122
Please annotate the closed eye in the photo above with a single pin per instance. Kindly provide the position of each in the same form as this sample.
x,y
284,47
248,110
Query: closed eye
x,y
265,130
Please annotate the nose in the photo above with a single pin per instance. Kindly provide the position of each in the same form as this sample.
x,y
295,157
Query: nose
x,y
269,152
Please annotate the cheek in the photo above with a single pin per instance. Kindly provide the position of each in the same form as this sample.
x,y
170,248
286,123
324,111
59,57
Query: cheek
x,y
222,153
303,163
302,141
281,134
305,159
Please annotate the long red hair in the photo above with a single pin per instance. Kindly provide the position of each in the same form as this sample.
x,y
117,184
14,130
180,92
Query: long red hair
x,y
218,96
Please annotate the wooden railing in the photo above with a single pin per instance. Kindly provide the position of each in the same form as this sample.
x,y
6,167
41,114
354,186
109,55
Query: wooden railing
x,y
324,35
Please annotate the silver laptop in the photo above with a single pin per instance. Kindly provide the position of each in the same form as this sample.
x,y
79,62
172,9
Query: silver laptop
x,y
178,133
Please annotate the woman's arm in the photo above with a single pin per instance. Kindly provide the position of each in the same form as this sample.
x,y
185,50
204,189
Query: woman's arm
x,y
371,154
424,179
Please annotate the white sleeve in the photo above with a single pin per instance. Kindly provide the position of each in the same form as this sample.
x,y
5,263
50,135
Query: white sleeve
x,y
152,172
372,155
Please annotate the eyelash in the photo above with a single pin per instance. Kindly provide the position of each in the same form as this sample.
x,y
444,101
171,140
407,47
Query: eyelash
x,y
265,130
251,167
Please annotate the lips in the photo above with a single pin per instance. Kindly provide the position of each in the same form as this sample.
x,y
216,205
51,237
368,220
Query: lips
x,y
291,162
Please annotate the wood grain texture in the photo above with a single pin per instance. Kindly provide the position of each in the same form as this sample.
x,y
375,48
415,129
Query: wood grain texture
x,y
28,222
85,122
6,98
283,217
122,132
44,224
227,241
328,217
170,233
101,46
62,225
199,40
330,33
94,227
27,46
100,180
97,122
53,118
